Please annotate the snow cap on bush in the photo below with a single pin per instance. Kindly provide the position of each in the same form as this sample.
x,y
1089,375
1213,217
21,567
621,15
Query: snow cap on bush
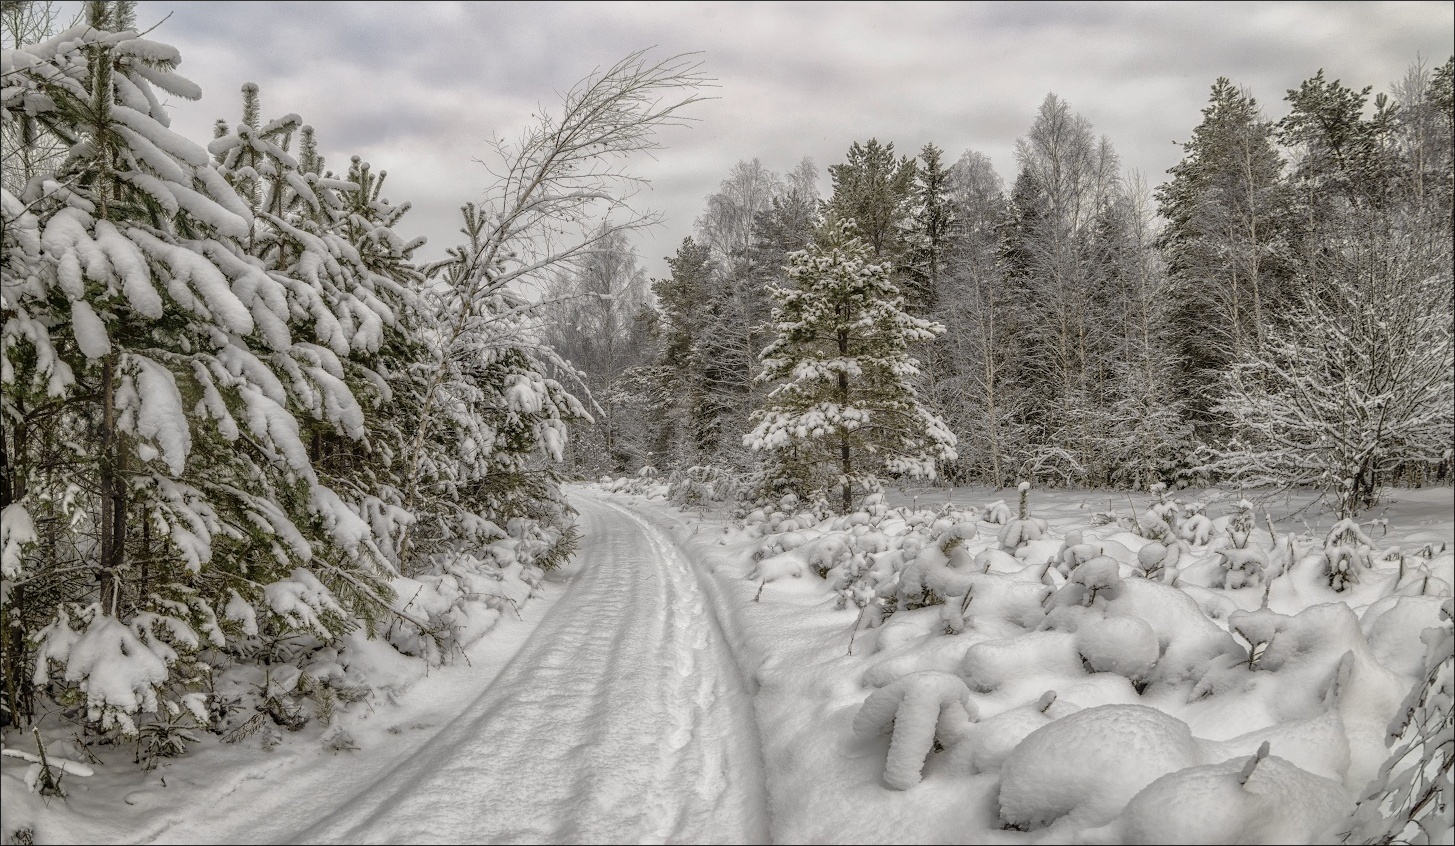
x,y
1088,765
1119,644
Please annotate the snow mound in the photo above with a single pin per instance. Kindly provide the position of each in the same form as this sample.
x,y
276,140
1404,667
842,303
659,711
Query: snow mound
x,y
1008,602
1319,744
992,740
1393,626
781,566
1119,644
936,653
1190,642
992,664
1278,803
1088,765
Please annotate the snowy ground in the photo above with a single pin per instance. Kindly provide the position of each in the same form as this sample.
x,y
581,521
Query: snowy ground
x,y
816,668
621,718
648,698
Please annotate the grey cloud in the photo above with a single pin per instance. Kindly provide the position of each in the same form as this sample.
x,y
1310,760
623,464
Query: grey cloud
x,y
424,85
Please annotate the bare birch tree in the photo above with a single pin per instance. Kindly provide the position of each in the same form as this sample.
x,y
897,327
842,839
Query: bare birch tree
x,y
559,190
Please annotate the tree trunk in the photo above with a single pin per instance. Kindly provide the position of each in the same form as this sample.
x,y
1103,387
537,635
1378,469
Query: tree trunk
x,y
845,463
113,492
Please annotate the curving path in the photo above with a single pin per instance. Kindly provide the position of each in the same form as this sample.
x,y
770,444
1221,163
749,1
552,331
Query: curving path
x,y
622,720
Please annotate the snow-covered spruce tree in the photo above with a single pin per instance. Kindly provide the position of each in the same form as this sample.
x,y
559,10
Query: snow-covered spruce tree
x,y
354,301
161,495
733,307
1359,383
688,419
930,231
496,421
844,410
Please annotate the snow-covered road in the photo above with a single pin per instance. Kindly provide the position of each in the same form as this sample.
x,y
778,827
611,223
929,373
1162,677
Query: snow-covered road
x,y
623,719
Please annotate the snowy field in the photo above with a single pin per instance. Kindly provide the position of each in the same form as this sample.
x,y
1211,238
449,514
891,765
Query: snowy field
x,y
689,678
1151,707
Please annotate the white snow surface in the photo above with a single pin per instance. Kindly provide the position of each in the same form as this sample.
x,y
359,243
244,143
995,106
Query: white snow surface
x,y
624,719
621,718
646,697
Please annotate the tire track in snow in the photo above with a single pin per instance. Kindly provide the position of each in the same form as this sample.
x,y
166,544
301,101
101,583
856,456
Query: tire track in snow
x,y
623,719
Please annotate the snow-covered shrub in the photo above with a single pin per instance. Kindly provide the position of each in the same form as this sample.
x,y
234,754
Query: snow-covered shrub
x,y
701,486
1163,519
1024,528
1191,643
990,741
1089,764
1240,528
992,664
1001,602
1119,644
775,567
1411,799
997,512
166,736
1260,799
920,708
638,485
1196,528
1074,552
463,596
1244,563
1243,567
118,669
1395,627
1158,562
1097,575
1348,553
1307,663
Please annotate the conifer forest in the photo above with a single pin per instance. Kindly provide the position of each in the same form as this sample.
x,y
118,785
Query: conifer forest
x,y
903,502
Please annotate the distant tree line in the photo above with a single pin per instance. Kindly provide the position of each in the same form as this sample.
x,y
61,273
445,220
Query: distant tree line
x,y
1278,311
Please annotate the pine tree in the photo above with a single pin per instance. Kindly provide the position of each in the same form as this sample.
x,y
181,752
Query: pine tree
x,y
930,231
688,416
1341,155
875,190
844,411
1225,240
355,310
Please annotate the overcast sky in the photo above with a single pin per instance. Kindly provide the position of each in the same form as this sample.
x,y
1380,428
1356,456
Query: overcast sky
x,y
417,88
